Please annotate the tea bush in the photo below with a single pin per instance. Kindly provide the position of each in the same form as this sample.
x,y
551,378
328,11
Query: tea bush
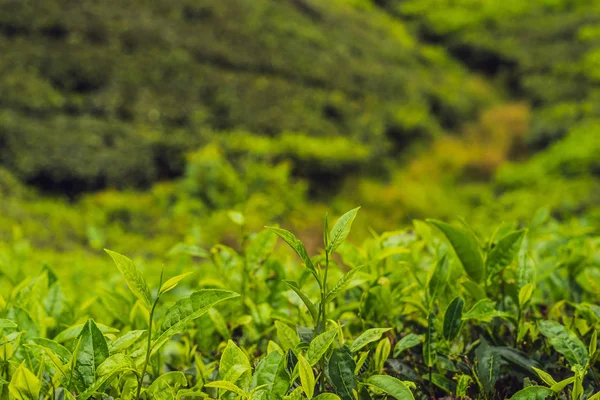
x,y
423,312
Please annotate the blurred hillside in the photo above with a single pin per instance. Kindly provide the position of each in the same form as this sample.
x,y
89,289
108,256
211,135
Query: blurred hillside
x,y
98,94
156,119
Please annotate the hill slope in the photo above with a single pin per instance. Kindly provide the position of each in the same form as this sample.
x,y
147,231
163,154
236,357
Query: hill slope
x,y
99,94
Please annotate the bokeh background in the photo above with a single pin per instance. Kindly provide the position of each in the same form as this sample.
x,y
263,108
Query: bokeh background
x,y
137,125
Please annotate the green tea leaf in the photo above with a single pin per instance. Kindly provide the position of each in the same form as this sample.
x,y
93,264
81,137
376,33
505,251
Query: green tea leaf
x,y
307,376
92,352
439,279
368,336
312,309
125,341
173,282
187,310
525,294
361,362
24,385
319,345
532,393
565,342
341,229
483,310
558,387
271,371
544,376
228,386
340,373
297,246
390,386
382,352
466,248
453,318
408,341
133,277
231,358
504,253
288,338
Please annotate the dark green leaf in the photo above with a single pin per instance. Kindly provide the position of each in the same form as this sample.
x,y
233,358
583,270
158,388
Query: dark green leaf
x,y
466,248
453,318
487,366
565,342
92,352
340,373
517,358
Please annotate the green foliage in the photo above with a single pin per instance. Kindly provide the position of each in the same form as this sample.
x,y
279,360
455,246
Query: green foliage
x,y
404,318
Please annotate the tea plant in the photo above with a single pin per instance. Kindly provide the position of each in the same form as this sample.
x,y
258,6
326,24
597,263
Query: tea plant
x,y
431,311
